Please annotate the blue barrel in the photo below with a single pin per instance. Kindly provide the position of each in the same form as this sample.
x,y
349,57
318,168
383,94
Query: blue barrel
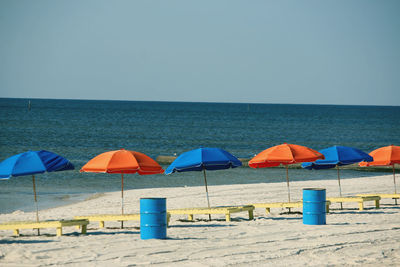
x,y
314,206
153,218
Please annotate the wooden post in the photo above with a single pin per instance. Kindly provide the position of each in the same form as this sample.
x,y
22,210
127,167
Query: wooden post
x,y
340,187
59,231
122,198
287,182
394,182
36,204
208,200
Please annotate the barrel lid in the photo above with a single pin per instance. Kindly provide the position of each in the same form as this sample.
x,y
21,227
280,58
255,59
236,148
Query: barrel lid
x,y
315,189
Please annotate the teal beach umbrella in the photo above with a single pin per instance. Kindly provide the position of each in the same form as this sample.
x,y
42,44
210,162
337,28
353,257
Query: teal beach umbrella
x,y
31,163
203,159
336,156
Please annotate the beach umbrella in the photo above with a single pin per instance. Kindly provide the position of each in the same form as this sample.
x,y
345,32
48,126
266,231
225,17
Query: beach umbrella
x,y
385,156
122,161
336,156
284,154
202,159
31,163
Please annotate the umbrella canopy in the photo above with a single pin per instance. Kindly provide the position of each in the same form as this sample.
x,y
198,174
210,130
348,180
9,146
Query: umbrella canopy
x,y
122,161
202,159
385,156
31,163
284,154
336,156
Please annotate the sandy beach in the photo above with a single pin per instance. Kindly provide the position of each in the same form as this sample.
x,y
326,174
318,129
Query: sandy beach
x,y
366,238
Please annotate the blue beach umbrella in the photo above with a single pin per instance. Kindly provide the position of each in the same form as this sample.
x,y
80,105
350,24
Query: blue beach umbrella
x,y
31,163
336,156
203,159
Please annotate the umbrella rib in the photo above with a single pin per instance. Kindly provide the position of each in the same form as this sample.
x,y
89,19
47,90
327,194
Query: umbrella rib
x,y
121,170
230,163
221,164
13,168
391,154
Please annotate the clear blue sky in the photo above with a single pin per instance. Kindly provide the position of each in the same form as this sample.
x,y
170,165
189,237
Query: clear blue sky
x,y
316,52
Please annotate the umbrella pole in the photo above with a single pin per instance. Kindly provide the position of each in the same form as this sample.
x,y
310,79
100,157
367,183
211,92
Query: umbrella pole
x,y
287,182
340,187
122,198
208,200
394,181
36,204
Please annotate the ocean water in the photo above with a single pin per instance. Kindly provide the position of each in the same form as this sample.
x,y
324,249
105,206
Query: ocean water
x,y
82,129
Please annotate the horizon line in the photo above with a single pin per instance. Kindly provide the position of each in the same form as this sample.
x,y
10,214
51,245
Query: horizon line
x,y
206,102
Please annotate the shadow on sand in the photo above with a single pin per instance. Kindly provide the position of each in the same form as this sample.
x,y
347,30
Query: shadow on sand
x,y
199,225
345,223
359,212
19,241
123,232
279,218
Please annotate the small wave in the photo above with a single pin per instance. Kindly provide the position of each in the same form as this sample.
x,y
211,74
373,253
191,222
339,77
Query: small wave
x,y
63,197
94,196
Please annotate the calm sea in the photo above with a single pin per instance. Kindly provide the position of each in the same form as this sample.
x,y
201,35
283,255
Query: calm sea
x,y
80,130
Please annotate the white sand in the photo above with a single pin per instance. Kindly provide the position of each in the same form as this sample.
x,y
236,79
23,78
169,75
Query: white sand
x,y
370,237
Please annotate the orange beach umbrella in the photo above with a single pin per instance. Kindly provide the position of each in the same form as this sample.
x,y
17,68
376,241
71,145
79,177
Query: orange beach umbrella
x,y
284,154
122,161
385,156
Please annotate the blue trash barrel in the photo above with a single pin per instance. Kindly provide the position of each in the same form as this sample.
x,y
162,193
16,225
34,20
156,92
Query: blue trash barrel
x,y
314,206
153,218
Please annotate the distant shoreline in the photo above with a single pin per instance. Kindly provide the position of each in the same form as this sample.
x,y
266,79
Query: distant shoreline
x,y
162,159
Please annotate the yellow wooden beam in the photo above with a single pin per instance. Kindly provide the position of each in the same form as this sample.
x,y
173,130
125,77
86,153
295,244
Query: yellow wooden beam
x,y
227,211
17,226
357,199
